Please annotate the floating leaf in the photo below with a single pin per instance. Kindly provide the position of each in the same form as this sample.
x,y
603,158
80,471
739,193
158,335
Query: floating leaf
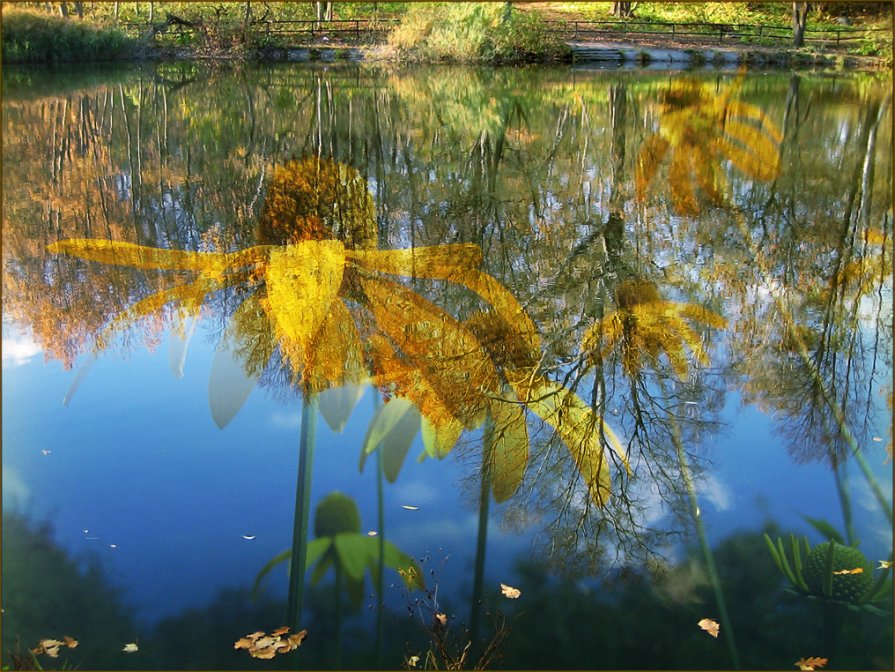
x,y
856,570
810,663
509,591
70,642
410,508
710,626
265,647
130,648
249,537
441,618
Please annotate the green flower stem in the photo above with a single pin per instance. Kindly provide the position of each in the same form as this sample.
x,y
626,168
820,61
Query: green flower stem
x,y
704,545
482,540
380,565
302,509
337,593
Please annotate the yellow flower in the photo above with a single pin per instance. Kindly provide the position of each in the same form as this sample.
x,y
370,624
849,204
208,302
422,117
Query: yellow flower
x,y
644,326
701,128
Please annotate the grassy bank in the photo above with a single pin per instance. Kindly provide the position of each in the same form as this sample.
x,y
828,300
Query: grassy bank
x,y
472,33
37,37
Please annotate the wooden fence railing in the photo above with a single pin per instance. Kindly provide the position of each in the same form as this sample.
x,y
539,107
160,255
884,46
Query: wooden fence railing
x,y
714,32
286,31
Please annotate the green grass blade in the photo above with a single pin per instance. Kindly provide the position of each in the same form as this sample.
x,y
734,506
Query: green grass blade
x,y
797,563
773,550
273,562
786,568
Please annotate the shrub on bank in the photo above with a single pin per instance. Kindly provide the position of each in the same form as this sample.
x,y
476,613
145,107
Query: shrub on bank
x,y
473,32
35,37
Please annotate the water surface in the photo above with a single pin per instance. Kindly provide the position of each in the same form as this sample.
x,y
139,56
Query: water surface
x,y
646,313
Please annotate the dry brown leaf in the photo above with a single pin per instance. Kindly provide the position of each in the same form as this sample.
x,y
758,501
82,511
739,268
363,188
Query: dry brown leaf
x,y
70,642
244,643
441,618
710,626
810,663
280,631
509,591
298,637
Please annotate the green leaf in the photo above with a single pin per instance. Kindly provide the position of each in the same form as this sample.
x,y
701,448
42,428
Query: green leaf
x,y
316,548
352,554
273,562
325,563
826,529
402,563
336,405
355,590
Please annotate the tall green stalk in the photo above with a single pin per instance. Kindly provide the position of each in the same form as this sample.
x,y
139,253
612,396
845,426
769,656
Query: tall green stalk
x,y
380,566
707,554
302,510
337,663
482,540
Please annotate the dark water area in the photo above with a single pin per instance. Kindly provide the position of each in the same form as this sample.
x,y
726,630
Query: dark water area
x,y
538,360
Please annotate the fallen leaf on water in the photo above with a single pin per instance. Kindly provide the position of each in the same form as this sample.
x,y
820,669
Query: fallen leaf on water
x,y
413,661
810,663
70,642
856,570
885,564
441,618
261,645
130,648
410,508
49,647
710,626
509,591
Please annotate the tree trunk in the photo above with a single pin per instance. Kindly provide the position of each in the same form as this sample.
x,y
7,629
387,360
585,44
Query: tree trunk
x,y
623,10
117,7
151,11
79,8
329,11
246,22
799,21
63,9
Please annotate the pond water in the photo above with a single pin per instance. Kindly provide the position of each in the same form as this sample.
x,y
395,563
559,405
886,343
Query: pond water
x,y
417,333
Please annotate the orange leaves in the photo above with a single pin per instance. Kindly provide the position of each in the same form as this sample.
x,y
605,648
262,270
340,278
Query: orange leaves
x,y
261,645
50,647
810,663
710,626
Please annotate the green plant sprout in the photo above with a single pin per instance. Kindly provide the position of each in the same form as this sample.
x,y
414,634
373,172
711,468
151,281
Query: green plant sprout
x,y
831,571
